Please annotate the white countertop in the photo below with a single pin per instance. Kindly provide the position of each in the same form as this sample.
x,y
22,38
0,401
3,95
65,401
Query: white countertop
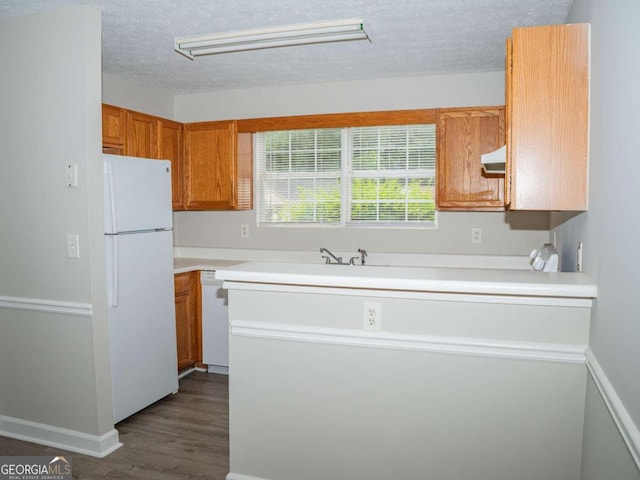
x,y
182,265
218,256
426,279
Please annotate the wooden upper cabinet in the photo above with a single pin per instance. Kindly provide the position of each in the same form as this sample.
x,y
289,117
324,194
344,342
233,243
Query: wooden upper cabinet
x,y
464,134
211,163
170,147
113,129
217,167
547,90
142,135
508,115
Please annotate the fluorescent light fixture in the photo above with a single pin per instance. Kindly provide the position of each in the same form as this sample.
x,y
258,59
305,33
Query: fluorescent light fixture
x,y
303,34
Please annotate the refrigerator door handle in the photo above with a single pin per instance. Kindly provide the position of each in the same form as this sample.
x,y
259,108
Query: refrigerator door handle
x,y
110,200
114,297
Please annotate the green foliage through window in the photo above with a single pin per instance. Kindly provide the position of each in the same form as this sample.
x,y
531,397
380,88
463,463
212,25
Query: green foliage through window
x,y
355,176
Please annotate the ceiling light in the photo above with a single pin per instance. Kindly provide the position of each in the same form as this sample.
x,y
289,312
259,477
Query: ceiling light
x,y
303,34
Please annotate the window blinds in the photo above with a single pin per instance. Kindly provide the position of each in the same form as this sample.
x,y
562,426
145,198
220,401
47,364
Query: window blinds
x,y
299,176
354,176
392,174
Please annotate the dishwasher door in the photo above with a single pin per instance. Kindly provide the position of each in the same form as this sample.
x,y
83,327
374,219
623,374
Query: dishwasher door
x,y
215,324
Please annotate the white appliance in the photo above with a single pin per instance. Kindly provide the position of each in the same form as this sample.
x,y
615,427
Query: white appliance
x,y
545,259
141,312
215,324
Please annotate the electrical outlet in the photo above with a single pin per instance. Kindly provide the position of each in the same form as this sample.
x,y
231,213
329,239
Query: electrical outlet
x,y
71,175
372,316
73,245
244,230
476,235
579,259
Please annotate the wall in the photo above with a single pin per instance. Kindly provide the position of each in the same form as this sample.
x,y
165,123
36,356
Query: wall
x,y
515,234
451,386
55,372
124,93
453,235
604,454
352,96
610,229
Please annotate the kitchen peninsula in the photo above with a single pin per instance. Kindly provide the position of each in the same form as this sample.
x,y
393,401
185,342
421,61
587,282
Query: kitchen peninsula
x,y
405,372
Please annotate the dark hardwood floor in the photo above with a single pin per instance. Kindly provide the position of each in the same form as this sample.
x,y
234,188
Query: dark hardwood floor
x,y
182,436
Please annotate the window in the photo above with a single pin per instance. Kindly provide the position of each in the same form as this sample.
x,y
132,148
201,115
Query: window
x,y
364,176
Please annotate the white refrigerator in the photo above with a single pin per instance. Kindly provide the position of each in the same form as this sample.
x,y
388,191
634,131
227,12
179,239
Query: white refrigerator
x,y
141,313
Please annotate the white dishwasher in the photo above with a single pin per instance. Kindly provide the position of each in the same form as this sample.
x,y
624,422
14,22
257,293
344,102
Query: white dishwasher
x,y
215,324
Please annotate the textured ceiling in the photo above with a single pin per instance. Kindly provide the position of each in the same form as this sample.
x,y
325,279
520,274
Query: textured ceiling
x,y
409,38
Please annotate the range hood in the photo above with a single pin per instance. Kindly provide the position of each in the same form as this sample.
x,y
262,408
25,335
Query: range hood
x,y
494,162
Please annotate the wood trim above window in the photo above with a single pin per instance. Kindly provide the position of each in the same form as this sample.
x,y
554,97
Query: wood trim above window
x,y
338,120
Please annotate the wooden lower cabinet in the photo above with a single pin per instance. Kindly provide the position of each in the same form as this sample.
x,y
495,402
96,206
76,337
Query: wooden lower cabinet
x,y
188,322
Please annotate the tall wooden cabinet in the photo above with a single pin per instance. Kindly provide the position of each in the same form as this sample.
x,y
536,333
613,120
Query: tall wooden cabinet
x,y
125,132
142,135
188,323
171,147
218,167
114,124
547,93
464,134
212,164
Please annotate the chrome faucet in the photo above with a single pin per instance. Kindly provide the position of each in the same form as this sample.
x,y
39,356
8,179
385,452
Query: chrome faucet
x,y
363,254
338,260
328,258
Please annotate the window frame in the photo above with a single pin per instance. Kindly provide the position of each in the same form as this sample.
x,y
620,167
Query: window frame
x,y
346,175
340,120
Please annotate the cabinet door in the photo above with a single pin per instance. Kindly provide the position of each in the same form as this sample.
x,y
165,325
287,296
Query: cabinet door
x,y
142,135
508,117
187,306
244,159
113,129
549,93
465,134
170,148
211,166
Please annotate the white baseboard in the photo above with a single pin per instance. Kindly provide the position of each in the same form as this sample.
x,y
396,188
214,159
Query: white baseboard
x,y
186,372
79,442
237,476
218,369
625,424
